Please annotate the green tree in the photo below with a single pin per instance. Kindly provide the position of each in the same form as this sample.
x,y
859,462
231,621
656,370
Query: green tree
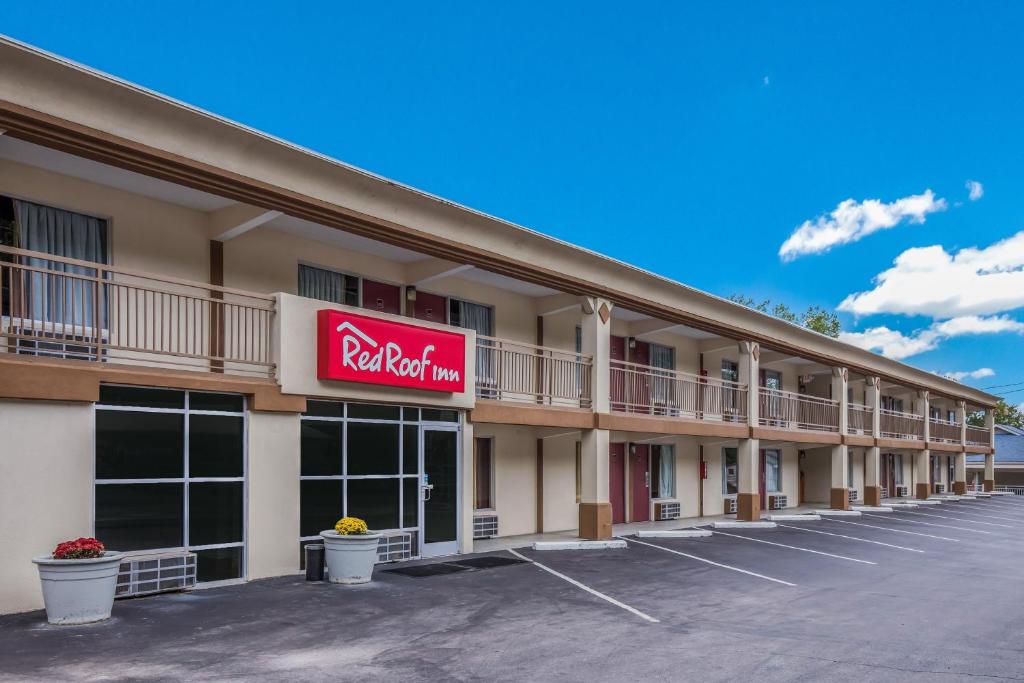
x,y
814,318
1005,415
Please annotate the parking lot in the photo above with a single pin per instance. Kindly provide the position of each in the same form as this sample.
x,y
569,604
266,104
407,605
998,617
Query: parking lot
x,y
926,592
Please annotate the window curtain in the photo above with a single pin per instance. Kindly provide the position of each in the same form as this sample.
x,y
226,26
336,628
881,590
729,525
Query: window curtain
x,y
771,471
478,318
666,472
730,471
898,458
56,298
663,358
325,285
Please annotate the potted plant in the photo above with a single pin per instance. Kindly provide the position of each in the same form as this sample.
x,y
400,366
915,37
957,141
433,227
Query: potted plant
x,y
350,551
79,579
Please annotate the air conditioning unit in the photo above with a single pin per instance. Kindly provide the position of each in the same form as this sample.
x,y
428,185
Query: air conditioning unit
x,y
884,492
663,511
148,574
485,526
778,502
730,506
396,545
902,491
940,488
854,495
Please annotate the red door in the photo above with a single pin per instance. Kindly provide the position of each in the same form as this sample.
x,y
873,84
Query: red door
x,y
762,493
617,481
430,307
639,483
617,352
378,296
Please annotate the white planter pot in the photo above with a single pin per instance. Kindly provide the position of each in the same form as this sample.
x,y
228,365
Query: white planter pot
x,y
349,559
78,591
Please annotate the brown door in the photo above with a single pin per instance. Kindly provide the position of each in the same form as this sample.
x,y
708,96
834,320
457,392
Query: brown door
x,y
639,483
617,352
430,307
382,297
617,481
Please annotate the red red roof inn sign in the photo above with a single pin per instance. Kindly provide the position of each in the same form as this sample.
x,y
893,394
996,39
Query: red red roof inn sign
x,y
357,348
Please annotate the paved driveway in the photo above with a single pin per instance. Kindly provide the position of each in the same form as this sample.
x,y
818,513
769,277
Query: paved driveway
x,y
925,593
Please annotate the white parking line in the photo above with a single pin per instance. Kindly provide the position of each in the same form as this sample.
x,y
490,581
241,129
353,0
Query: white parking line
x,y
795,547
944,526
853,538
956,518
717,564
978,514
895,531
588,589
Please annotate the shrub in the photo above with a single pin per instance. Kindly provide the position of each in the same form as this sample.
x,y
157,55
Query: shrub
x,y
350,526
79,549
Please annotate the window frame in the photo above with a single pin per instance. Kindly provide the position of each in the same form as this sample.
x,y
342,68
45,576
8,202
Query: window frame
x,y
778,470
656,473
492,456
735,452
336,271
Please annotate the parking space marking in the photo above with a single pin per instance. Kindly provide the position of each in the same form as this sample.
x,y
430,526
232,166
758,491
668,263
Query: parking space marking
x,y
588,589
852,538
796,547
955,519
944,526
978,514
895,531
717,564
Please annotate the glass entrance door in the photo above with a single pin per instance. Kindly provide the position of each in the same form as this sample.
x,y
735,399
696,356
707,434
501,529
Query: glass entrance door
x,y
439,489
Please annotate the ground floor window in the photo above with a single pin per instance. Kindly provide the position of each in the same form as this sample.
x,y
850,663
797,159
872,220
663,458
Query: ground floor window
x,y
730,472
663,471
897,460
772,471
483,466
170,474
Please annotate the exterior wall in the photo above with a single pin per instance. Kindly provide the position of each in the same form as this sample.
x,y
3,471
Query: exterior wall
x,y
561,511
515,477
856,457
817,469
273,494
713,498
46,490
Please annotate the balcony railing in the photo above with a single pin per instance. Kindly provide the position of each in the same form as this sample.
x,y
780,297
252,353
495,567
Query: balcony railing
x,y
648,390
943,430
789,410
512,371
64,308
897,425
978,436
859,419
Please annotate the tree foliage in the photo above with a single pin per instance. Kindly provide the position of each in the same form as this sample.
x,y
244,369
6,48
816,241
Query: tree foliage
x,y
1005,414
814,318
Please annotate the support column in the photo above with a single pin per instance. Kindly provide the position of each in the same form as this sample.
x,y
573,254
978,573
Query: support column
x,y
748,499
990,458
921,407
960,473
872,456
922,472
595,509
840,495
468,488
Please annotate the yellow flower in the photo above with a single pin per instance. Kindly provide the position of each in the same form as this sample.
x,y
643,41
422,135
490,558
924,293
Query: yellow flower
x,y
348,526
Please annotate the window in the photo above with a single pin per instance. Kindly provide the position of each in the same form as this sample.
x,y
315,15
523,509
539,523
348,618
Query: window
x,y
483,466
772,471
579,471
893,404
328,285
170,474
663,471
730,472
771,379
849,469
898,467
730,371
480,319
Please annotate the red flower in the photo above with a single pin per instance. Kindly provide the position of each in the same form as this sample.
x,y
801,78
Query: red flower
x,y
78,549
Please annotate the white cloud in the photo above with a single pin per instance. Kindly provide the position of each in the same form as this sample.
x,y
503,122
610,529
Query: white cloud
x,y
852,221
894,344
976,190
929,281
961,375
767,81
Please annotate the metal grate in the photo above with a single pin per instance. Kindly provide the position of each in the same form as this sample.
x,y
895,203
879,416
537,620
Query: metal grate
x,y
148,574
940,488
485,526
396,545
885,492
854,495
902,491
730,506
664,511
778,502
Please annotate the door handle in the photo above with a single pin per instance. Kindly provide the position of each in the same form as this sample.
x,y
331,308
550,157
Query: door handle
x,y
647,479
427,488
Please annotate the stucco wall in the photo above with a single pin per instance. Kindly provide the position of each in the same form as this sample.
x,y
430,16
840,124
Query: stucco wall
x,y
273,503
515,477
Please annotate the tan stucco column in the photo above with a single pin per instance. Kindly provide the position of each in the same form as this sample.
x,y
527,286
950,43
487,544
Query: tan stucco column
x,y
872,478
922,472
839,498
922,407
748,456
273,494
468,488
990,472
595,510
960,473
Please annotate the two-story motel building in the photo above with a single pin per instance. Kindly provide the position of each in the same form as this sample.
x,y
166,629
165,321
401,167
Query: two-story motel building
x,y
215,341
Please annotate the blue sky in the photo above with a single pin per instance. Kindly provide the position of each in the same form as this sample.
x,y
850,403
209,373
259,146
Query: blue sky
x,y
690,139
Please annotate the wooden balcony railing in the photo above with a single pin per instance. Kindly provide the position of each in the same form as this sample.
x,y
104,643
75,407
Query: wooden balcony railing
x,y
859,419
59,307
513,371
778,408
978,436
943,430
648,390
897,425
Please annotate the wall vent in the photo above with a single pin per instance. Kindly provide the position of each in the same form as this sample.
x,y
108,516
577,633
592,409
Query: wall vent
x,y
663,511
778,502
485,526
396,545
148,574
730,506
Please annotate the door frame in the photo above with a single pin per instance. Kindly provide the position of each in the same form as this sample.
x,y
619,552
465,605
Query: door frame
x,y
444,547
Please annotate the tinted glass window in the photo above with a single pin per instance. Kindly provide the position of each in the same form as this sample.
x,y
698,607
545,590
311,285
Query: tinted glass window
x,y
365,411
228,403
411,449
321,448
324,409
218,564
141,397
372,448
215,446
215,512
320,505
136,445
140,516
432,415
410,414
410,499
375,501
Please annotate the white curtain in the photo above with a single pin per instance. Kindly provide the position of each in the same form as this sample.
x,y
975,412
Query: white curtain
x,y
667,472
56,298
478,318
662,357
771,470
325,285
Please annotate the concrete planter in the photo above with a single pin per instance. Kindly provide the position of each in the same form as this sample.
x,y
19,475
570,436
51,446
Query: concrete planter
x,y
349,559
78,591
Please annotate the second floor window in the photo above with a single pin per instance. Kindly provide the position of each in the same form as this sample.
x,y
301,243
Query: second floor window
x,y
328,285
730,371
